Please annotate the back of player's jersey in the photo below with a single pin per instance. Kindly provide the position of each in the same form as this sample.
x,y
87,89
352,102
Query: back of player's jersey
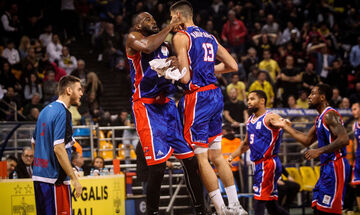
x,y
202,55
52,127
325,138
145,81
356,129
264,141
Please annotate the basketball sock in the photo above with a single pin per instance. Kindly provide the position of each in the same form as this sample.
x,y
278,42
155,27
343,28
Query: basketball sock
x,y
193,183
156,174
232,194
217,200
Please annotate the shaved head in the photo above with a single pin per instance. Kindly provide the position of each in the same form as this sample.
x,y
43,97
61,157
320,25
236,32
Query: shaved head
x,y
139,18
144,22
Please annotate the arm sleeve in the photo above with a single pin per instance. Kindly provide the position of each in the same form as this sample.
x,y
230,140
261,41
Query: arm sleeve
x,y
60,128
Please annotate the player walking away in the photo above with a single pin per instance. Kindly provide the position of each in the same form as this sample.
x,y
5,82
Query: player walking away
x,y
332,140
52,142
263,138
202,105
156,116
355,178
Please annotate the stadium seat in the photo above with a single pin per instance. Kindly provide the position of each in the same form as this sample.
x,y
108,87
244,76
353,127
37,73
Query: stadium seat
x,y
317,172
294,173
308,177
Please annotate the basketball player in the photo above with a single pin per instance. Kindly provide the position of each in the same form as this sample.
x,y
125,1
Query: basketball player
x,y
355,179
156,116
332,140
263,138
202,105
52,142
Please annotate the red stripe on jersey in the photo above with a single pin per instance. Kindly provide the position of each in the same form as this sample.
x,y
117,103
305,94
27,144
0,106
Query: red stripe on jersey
x,y
275,135
136,59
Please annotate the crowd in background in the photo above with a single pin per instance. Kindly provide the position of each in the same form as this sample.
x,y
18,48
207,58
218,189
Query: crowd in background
x,y
283,47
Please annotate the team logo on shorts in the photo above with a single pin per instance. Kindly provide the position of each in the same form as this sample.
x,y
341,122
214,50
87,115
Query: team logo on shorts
x,y
255,188
159,153
326,199
258,125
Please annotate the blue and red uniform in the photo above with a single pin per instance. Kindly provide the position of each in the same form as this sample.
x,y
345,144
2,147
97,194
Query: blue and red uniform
x,y
51,184
355,179
201,107
156,116
264,143
329,191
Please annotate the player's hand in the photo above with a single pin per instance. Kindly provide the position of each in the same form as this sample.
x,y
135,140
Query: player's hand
x,y
78,188
312,153
281,122
176,24
229,161
174,62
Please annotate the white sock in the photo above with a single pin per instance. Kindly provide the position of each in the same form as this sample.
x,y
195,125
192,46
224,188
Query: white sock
x,y
232,194
217,200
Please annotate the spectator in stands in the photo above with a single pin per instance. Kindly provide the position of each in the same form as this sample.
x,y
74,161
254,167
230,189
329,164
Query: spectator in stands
x,y
11,163
355,54
291,102
69,20
11,100
336,98
30,58
24,46
210,28
80,71
355,96
235,111
302,101
345,103
93,91
11,54
230,143
338,77
288,190
75,115
35,103
234,33
251,59
98,164
49,87
46,36
67,62
262,84
25,163
238,85
54,48
271,27
7,78
270,65
10,22
77,161
309,78
264,42
290,78
33,87
288,32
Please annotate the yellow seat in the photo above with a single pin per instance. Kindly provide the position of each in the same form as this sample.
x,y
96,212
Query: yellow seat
x,y
104,145
317,172
295,174
308,177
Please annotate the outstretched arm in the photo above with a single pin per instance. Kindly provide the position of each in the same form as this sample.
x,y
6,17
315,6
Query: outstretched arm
x,y
228,63
181,47
244,146
305,139
337,130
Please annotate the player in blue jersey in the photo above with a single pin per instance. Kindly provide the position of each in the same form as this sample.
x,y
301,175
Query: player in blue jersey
x,y
355,178
201,107
156,117
332,140
263,139
52,142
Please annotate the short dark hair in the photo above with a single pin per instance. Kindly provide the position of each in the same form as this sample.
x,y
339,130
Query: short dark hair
x,y
261,94
65,81
74,156
98,157
11,158
184,7
325,89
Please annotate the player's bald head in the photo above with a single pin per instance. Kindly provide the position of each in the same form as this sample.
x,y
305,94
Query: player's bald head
x,y
140,17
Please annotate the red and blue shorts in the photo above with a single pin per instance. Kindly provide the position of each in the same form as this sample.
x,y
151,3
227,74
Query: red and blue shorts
x,y
200,111
266,175
160,130
52,199
329,191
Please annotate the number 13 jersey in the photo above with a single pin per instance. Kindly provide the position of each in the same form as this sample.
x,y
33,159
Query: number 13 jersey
x,y
202,44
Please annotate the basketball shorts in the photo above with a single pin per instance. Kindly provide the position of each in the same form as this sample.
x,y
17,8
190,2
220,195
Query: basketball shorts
x,y
160,130
329,191
200,111
355,178
52,199
266,175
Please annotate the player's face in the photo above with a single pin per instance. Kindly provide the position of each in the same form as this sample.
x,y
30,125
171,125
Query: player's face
x,y
149,25
355,109
76,93
314,98
253,103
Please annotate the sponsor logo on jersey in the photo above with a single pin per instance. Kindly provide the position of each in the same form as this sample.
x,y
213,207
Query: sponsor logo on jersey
x,y
258,125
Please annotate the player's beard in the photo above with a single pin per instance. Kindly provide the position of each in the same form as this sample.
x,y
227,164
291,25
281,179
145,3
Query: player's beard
x,y
252,110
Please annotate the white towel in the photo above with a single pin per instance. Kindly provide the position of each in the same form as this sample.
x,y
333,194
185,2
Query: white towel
x,y
162,69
